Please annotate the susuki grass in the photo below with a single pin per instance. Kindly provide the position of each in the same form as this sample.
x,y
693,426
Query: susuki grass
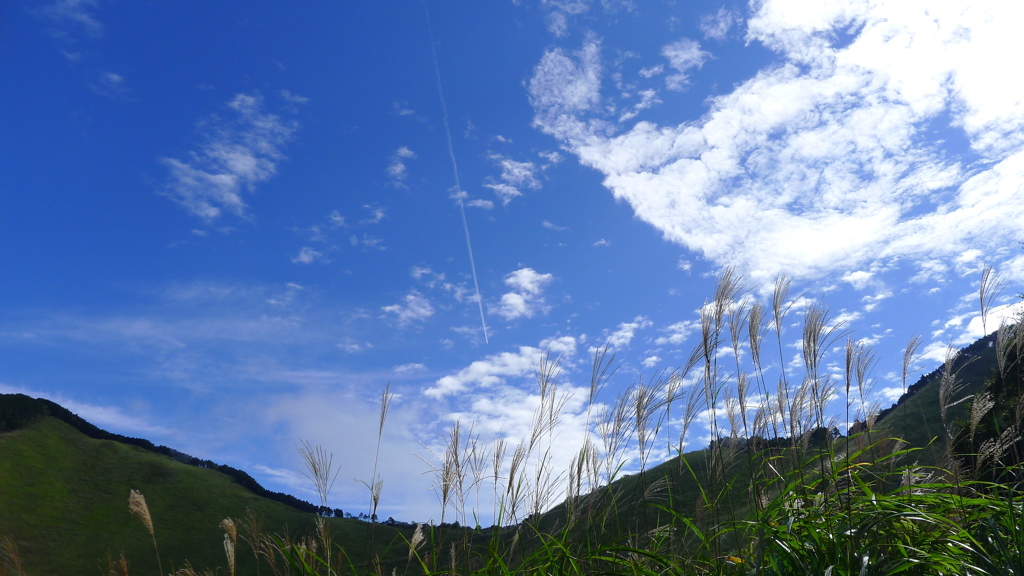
x,y
779,491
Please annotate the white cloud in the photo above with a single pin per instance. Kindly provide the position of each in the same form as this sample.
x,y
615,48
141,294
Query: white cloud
x,y
351,346
307,256
623,335
367,241
560,12
236,155
562,85
498,368
601,243
402,109
526,298
828,149
682,55
514,177
293,98
717,25
858,279
677,333
109,84
652,71
80,13
551,156
413,308
376,215
411,367
648,99
336,219
651,361
528,281
396,170
485,204
552,226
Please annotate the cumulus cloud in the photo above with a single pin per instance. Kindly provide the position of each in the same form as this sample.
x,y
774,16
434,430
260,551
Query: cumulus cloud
x,y
238,152
828,150
565,84
526,297
858,279
651,361
496,369
413,308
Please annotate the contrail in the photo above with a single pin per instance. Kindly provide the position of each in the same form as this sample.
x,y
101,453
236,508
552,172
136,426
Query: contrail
x,y
455,170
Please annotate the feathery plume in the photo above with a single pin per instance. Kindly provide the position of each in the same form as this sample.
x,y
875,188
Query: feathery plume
x,y
137,505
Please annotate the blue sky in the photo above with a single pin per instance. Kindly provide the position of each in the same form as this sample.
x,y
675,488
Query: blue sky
x,y
227,226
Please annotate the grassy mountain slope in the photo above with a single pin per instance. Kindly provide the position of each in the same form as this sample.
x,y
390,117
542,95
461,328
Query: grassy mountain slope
x,y
64,501
678,485
916,417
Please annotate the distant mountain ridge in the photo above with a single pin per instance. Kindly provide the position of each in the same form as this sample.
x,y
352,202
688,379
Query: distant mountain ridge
x,y
19,410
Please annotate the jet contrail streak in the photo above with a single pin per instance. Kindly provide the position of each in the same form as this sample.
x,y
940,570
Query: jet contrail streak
x,y
455,170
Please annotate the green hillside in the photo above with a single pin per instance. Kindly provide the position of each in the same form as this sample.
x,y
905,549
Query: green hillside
x,y
916,417
64,502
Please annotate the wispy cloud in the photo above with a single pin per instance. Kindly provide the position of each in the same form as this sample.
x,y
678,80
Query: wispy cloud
x,y
677,333
716,26
80,14
411,367
527,296
413,308
683,55
397,171
376,215
109,84
237,153
515,176
293,98
828,150
308,256
561,12
624,334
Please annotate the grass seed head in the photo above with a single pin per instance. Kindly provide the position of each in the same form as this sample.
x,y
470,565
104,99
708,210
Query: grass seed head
x,y
137,505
